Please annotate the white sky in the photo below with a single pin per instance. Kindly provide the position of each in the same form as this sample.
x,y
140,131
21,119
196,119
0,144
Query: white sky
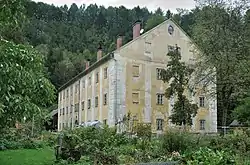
x,y
150,4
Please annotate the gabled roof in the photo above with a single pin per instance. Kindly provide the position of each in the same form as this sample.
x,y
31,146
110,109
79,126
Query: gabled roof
x,y
111,55
149,31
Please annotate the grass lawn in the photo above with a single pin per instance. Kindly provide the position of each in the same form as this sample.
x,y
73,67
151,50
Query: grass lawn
x,y
27,157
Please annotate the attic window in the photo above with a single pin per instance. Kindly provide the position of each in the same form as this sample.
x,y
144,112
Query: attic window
x,y
147,47
170,29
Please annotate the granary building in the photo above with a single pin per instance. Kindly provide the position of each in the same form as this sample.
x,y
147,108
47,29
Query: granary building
x,y
128,80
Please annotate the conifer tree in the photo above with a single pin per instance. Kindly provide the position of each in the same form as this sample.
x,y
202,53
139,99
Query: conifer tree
x,y
177,75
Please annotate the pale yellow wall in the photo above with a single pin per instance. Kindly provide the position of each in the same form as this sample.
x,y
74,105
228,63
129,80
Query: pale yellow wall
x,y
134,53
63,103
135,84
105,89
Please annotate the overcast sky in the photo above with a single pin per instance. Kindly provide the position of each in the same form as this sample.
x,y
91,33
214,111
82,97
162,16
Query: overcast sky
x,y
150,4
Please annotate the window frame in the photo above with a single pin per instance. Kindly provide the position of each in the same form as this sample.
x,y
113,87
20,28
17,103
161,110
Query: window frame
x,y
159,124
105,72
96,101
89,103
158,95
136,102
82,105
201,101
202,124
97,77
148,47
159,71
105,99
133,70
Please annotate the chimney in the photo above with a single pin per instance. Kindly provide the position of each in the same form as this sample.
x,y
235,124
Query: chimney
x,y
136,29
119,42
87,64
99,52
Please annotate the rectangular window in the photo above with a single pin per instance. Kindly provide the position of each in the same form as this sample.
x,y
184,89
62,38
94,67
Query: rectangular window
x,y
67,93
105,73
105,121
63,125
135,98
159,73
60,126
159,124
135,71
63,111
82,105
77,107
71,109
202,101
76,88
67,110
160,99
71,90
63,94
97,77
105,97
202,124
96,101
89,80
60,112
148,47
89,103
83,83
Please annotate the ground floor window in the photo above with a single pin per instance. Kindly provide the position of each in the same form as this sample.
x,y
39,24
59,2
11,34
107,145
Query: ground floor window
x,y
202,124
159,124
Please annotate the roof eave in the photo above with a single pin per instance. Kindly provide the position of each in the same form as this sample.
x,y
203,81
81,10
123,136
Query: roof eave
x,y
86,71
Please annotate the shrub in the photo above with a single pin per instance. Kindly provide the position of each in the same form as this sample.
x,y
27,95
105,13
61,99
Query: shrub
x,y
208,156
239,142
177,141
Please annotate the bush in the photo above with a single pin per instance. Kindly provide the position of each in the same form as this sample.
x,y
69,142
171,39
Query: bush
x,y
208,156
239,142
177,141
49,138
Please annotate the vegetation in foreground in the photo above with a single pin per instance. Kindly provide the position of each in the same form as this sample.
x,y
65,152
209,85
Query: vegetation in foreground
x,y
104,146
43,156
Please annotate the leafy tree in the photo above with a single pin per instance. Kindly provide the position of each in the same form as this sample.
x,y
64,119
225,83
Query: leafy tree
x,y
154,21
242,112
24,89
221,36
177,75
12,16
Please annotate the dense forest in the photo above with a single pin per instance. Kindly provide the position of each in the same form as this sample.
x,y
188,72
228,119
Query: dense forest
x,y
68,35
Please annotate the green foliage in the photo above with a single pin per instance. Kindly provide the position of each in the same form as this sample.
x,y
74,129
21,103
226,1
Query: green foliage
x,y
143,130
178,74
24,88
208,156
12,18
177,141
222,37
242,112
25,143
27,157
154,21
239,142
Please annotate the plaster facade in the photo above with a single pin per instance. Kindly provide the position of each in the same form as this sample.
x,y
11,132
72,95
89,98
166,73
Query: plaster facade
x,y
129,83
